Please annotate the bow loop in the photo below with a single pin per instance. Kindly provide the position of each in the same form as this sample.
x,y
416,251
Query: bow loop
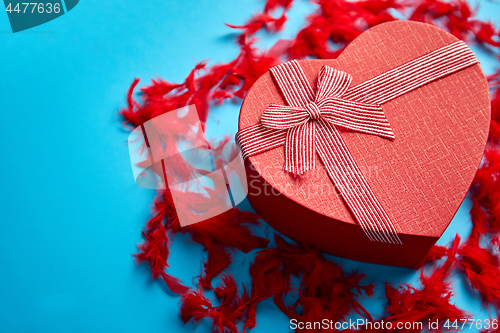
x,y
300,148
356,116
326,104
331,83
313,111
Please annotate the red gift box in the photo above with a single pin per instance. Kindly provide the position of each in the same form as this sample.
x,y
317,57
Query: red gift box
x,y
420,178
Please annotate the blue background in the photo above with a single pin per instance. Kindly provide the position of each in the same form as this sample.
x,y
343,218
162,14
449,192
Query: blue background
x,y
70,212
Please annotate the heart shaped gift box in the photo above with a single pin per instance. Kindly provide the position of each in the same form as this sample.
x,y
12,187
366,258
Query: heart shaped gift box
x,y
419,173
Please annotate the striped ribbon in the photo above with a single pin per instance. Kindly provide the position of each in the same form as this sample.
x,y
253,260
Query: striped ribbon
x,y
310,124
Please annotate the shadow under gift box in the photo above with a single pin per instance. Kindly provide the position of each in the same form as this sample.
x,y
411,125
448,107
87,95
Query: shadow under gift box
x,y
420,178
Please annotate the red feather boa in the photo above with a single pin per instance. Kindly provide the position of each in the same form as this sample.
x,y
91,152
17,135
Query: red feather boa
x,y
325,290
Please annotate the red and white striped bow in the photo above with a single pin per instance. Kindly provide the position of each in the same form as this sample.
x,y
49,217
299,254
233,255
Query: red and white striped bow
x,y
306,119
310,122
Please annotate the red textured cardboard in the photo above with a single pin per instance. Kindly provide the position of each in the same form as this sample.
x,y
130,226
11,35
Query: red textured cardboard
x,y
420,178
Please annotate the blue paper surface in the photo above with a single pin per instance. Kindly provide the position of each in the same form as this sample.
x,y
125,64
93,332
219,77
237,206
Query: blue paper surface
x,y
70,212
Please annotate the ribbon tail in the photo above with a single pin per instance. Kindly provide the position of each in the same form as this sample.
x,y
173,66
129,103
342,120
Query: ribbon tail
x,y
300,148
352,185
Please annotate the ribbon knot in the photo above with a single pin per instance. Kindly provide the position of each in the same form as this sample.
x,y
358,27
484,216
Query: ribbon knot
x,y
313,111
